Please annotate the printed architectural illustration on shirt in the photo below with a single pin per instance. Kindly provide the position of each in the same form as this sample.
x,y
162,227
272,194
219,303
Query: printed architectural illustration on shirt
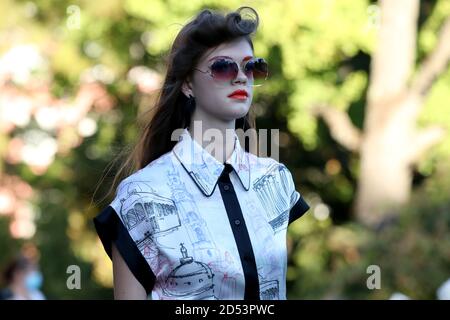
x,y
269,290
147,215
269,254
194,225
190,279
222,263
273,191
229,285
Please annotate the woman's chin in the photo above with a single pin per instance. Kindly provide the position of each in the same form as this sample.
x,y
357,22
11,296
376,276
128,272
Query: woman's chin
x,y
238,111
230,111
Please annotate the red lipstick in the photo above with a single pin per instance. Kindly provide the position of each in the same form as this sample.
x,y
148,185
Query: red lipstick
x,y
238,94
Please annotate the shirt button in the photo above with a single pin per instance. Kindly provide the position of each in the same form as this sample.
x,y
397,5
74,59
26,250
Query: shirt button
x,y
237,222
226,187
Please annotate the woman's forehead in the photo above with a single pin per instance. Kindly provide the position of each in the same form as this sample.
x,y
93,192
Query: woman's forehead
x,y
237,50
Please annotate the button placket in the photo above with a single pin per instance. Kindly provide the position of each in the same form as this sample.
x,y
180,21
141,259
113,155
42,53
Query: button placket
x,y
241,235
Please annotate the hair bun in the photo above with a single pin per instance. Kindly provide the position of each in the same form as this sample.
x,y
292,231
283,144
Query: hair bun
x,y
249,14
244,20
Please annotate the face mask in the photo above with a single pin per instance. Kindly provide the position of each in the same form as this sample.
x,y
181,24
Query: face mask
x,y
33,280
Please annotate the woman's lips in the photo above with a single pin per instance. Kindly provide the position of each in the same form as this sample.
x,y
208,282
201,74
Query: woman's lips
x,y
238,97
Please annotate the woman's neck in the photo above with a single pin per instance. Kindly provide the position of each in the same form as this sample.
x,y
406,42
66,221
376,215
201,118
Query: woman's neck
x,y
214,135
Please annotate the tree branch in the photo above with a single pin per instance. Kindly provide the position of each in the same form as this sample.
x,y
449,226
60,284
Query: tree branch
x,y
340,126
424,140
434,64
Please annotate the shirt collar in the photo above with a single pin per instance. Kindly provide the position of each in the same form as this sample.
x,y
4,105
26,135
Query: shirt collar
x,y
204,169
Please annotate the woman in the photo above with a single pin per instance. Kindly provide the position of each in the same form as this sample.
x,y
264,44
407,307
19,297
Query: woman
x,y
23,280
196,224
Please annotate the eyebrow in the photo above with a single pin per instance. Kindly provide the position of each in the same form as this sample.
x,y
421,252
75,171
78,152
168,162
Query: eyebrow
x,y
245,58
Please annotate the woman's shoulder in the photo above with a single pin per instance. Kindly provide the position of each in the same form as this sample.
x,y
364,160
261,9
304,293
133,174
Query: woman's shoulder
x,y
265,164
149,179
151,171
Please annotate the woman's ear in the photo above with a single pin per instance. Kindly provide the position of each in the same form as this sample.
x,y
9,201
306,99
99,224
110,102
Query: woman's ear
x,y
186,88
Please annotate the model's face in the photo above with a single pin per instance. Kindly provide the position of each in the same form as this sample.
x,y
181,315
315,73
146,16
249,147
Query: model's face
x,y
212,96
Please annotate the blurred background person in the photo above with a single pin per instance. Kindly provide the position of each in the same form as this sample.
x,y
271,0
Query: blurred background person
x,y
23,280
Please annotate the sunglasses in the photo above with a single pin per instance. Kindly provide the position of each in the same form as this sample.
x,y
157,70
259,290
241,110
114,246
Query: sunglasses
x,y
225,70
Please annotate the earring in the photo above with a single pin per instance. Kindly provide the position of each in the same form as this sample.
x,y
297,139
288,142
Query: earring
x,y
190,104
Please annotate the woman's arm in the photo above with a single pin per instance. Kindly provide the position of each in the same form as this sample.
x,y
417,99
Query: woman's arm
x,y
126,286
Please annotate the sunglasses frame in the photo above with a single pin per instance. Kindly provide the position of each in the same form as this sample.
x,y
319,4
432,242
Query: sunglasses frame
x,y
209,71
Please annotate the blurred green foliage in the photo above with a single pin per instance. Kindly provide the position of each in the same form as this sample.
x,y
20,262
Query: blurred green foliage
x,y
412,251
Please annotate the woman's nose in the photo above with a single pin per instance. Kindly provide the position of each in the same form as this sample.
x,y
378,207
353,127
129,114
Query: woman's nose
x,y
241,77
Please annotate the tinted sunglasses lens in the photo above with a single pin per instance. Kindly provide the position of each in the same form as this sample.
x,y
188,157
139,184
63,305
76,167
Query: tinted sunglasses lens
x,y
224,70
257,71
257,68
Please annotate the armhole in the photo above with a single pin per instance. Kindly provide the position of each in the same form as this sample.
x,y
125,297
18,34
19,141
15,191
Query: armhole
x,y
110,228
298,210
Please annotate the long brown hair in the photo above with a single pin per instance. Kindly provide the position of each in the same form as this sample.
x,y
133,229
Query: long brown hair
x,y
172,110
